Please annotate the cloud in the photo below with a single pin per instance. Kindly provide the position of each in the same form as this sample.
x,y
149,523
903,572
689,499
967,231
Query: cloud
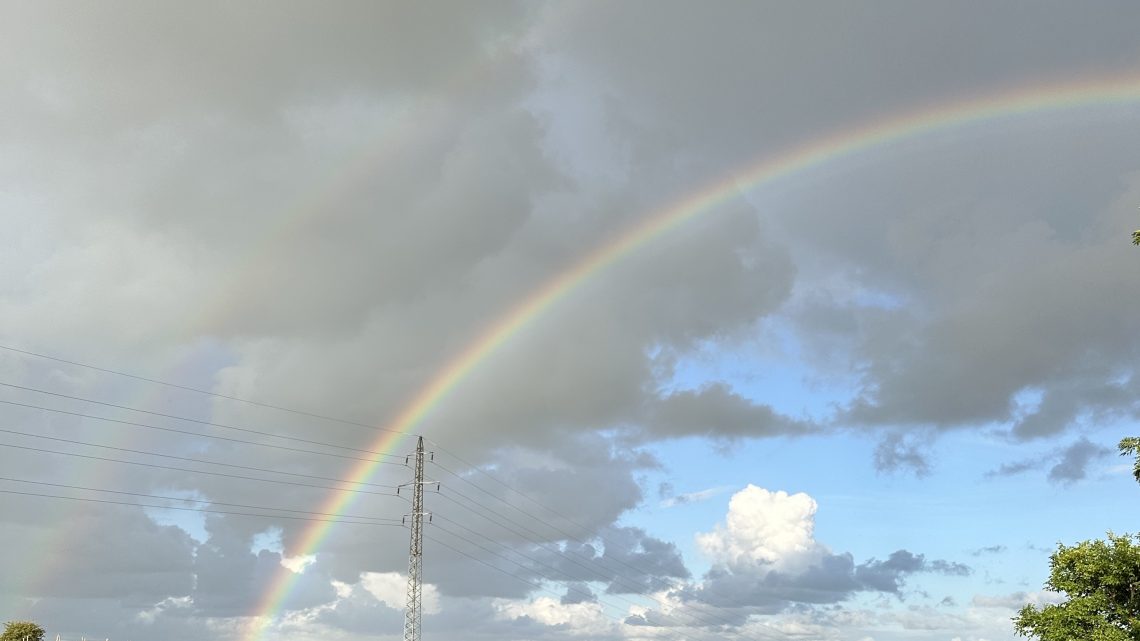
x,y
1069,463
1017,600
765,531
583,617
326,209
717,411
1075,460
896,452
626,559
674,500
1013,468
578,593
391,589
765,559
992,549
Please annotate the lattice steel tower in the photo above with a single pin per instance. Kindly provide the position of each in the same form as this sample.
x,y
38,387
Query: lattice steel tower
x,y
413,611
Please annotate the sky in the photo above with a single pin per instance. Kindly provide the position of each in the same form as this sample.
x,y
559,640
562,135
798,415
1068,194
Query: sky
x,y
742,320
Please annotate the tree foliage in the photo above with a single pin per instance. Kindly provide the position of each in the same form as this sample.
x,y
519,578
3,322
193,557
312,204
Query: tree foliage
x,y
1131,447
1102,582
1136,237
21,630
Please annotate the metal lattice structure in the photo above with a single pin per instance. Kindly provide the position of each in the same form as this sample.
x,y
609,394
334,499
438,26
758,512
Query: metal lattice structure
x,y
413,611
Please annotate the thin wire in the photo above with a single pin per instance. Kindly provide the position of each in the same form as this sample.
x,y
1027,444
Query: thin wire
x,y
199,391
187,419
564,573
538,518
492,566
477,469
327,418
220,438
600,567
194,460
182,469
536,541
492,552
537,536
192,509
531,583
199,501
506,547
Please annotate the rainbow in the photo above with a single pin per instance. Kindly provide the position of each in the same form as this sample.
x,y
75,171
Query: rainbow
x,y
801,158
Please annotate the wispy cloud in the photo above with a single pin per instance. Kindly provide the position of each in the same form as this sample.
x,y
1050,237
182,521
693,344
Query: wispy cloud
x,y
693,497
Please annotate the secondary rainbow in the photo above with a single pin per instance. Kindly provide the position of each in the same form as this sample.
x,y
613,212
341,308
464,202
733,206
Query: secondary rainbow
x,y
1121,91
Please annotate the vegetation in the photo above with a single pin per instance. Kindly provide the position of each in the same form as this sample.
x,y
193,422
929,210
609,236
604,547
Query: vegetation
x,y
21,631
1101,580
1131,446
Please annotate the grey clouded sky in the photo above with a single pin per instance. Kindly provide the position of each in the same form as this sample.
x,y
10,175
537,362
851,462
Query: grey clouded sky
x,y
322,206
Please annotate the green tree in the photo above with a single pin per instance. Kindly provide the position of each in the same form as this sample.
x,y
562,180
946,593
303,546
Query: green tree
x,y
1131,446
1102,582
21,630
1136,237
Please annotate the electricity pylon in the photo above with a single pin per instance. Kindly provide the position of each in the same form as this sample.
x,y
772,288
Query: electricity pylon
x,y
414,609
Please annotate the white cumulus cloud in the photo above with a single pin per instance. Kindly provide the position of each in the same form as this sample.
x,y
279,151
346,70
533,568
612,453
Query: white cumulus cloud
x,y
764,529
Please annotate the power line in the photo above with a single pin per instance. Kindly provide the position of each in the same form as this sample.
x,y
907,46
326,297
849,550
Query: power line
x,y
538,518
192,460
537,586
535,541
332,419
220,438
198,390
192,509
492,566
496,554
199,501
187,419
600,567
192,471
564,573
292,411
260,404
617,576
479,470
